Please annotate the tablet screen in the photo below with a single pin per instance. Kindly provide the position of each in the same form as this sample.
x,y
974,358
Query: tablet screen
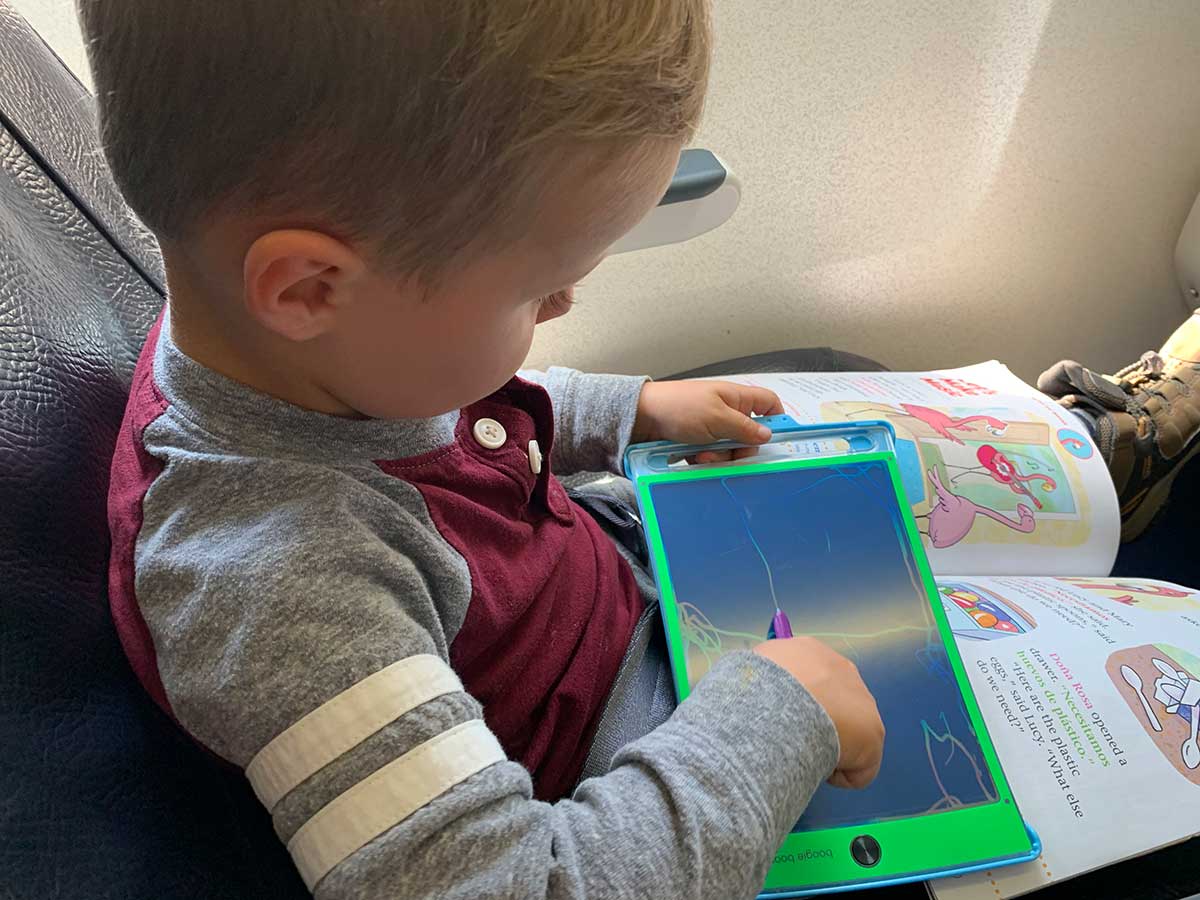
x,y
829,546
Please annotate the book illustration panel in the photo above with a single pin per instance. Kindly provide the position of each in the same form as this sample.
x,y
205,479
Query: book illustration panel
x,y
1075,443
1161,685
977,614
974,477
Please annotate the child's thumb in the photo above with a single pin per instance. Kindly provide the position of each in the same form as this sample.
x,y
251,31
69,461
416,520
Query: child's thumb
x,y
736,426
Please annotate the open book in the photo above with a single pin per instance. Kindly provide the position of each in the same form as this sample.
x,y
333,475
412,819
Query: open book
x,y
1090,686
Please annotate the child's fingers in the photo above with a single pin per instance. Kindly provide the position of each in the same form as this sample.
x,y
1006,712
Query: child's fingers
x,y
732,425
861,766
855,779
767,403
840,779
757,400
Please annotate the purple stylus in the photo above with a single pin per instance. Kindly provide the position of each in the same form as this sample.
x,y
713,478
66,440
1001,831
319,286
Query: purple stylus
x,y
780,626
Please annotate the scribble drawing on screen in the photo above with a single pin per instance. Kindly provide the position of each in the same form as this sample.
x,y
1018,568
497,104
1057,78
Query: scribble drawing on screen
x,y
744,515
953,746
939,736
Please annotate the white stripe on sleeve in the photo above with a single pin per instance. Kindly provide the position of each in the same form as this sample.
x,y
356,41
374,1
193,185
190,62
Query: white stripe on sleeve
x,y
391,795
345,721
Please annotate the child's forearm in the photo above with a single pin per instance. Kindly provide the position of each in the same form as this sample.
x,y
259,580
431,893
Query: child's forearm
x,y
695,809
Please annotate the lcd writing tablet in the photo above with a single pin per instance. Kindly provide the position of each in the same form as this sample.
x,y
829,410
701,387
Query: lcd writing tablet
x,y
829,542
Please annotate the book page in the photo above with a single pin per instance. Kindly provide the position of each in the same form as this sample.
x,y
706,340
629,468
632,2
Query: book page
x,y
1090,688
1001,478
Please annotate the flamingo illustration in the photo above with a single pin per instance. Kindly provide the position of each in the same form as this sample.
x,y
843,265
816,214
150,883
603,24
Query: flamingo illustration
x,y
952,516
1000,468
1005,471
944,424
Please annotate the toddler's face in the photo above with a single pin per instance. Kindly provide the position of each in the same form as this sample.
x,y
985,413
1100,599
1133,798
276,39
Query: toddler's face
x,y
401,355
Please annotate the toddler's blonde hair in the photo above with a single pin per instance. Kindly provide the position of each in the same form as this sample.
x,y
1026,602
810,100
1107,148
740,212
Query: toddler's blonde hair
x,y
420,126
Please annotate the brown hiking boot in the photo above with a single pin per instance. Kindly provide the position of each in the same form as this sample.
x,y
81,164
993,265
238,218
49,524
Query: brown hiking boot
x,y
1146,420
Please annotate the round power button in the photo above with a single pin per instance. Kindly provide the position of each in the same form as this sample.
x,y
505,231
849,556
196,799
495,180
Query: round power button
x,y
865,850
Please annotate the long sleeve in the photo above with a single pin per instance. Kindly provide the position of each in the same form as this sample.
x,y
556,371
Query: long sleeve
x,y
593,417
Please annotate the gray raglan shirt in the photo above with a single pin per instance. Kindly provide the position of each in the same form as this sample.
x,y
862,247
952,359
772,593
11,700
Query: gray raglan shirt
x,y
295,604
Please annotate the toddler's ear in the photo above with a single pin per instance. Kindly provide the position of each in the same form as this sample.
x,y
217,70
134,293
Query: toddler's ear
x,y
295,281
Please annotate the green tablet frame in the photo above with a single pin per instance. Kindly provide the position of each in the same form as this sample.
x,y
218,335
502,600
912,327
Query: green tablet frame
x,y
925,846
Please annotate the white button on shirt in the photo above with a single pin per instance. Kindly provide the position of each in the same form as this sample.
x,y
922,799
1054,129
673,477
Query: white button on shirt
x,y
535,458
490,434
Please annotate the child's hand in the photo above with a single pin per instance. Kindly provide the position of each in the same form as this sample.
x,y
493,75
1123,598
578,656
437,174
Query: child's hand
x,y
703,412
835,683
